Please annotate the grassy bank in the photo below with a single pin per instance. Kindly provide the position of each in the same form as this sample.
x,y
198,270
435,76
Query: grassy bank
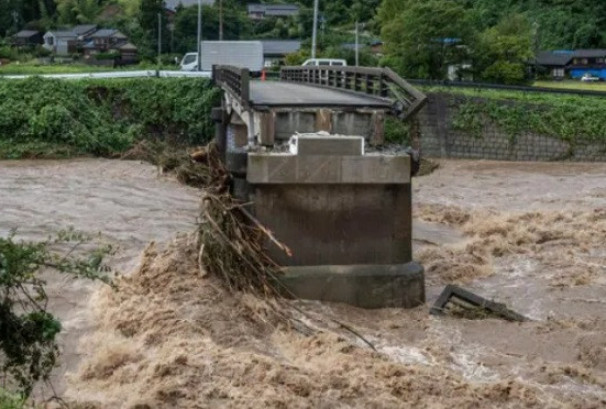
x,y
572,84
35,68
55,118
575,119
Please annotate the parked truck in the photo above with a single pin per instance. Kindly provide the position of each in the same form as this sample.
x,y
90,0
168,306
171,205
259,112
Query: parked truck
x,y
244,54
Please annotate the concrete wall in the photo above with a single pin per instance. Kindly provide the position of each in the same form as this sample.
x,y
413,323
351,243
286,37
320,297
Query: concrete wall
x,y
338,224
334,209
439,139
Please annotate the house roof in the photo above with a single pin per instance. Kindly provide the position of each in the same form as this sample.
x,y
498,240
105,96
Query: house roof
x,y
352,46
26,33
63,34
83,29
104,32
173,4
274,9
597,53
128,46
280,47
554,58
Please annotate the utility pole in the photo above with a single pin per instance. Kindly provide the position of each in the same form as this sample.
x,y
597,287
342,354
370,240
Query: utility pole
x,y
159,38
536,45
314,34
199,35
220,20
357,46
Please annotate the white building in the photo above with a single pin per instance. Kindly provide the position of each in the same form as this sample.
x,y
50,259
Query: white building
x,y
60,42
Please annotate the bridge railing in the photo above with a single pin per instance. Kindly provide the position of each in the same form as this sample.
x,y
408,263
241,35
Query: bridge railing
x,y
378,82
233,79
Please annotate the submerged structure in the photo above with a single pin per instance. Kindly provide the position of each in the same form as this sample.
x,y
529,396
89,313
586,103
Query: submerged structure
x,y
305,152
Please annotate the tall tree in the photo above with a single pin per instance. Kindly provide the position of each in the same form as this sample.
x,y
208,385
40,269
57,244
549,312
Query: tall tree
x,y
424,37
148,21
77,11
503,51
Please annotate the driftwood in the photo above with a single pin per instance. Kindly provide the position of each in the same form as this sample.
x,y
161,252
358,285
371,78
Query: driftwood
x,y
231,241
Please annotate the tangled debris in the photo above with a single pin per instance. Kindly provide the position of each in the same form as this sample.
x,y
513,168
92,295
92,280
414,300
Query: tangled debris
x,y
231,241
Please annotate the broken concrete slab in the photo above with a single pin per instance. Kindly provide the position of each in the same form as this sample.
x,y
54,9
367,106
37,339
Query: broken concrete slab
x,y
472,305
364,286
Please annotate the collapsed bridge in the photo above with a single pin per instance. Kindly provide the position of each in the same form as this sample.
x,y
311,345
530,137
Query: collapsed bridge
x,y
305,152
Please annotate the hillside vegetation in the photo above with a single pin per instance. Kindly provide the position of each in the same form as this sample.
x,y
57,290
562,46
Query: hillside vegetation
x,y
494,39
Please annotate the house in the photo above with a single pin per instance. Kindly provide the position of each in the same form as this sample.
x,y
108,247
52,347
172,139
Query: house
x,y
107,38
128,53
573,64
588,61
376,47
262,11
110,41
84,31
554,62
274,51
61,42
27,38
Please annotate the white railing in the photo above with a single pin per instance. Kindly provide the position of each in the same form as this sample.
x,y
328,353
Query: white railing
x,y
115,74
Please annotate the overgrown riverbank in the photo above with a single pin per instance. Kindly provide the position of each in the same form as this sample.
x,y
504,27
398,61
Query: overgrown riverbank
x,y
576,119
44,118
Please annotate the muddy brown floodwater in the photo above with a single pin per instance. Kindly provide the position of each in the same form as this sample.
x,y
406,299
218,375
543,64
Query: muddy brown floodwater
x,y
530,235
125,201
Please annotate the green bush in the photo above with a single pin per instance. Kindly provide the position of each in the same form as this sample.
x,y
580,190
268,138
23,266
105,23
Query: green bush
x,y
45,117
8,53
110,55
396,131
28,331
9,401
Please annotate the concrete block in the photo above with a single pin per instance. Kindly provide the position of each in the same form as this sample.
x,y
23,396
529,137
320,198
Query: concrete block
x,y
337,224
353,123
267,122
290,122
318,144
279,168
364,286
378,135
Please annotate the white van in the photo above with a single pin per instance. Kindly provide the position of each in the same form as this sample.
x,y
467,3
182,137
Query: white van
x,y
324,62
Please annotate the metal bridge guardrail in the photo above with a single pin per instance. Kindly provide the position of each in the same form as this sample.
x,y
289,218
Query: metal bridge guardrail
x,y
378,82
236,80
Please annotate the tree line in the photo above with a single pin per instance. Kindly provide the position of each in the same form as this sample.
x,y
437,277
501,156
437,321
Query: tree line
x,y
486,39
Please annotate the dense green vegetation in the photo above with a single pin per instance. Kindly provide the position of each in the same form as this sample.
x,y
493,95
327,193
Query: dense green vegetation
x,y
27,330
10,401
490,40
42,117
575,119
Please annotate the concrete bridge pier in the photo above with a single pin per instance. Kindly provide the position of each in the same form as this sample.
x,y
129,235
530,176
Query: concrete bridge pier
x,y
344,213
346,217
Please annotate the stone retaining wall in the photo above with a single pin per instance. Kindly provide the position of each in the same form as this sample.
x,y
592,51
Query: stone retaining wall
x,y
439,139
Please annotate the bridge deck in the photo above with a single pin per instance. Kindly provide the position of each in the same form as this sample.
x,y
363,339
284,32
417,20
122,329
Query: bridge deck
x,y
284,94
